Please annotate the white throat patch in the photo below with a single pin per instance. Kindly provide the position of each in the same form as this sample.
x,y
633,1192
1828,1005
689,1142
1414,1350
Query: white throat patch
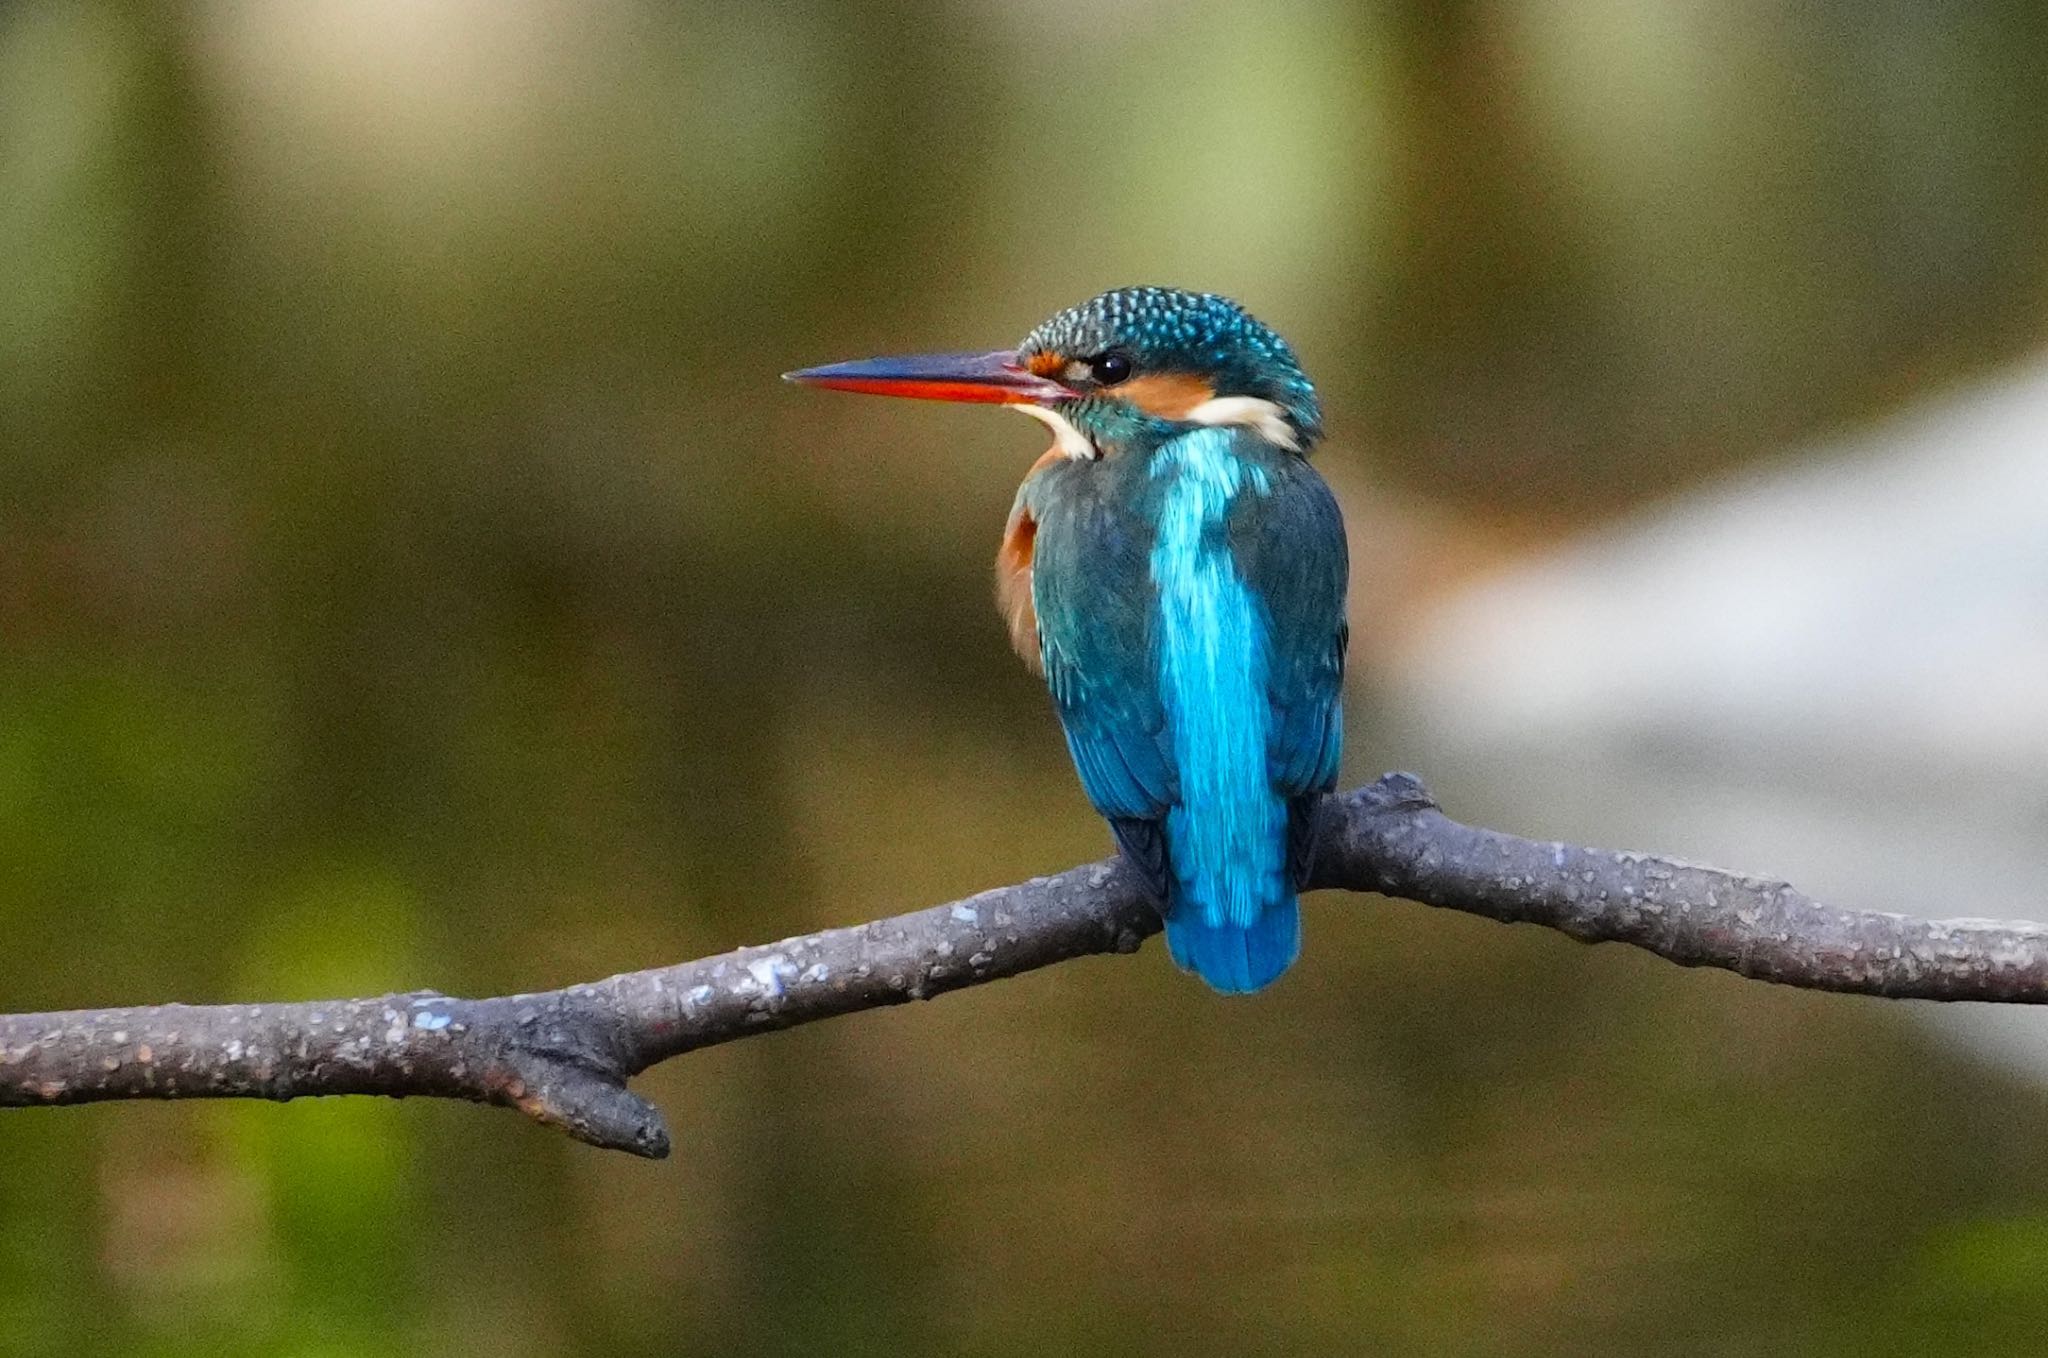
x,y
1251,411
1065,437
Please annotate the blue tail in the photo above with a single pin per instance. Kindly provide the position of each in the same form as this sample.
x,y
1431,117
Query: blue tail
x,y
1233,958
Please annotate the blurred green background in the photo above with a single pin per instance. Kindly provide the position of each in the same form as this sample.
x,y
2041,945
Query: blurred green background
x,y
412,574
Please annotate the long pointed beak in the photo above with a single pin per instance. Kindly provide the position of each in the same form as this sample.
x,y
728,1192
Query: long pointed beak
x,y
996,378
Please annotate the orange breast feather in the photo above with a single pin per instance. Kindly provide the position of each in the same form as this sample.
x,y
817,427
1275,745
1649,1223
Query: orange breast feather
x,y
1013,586
1013,575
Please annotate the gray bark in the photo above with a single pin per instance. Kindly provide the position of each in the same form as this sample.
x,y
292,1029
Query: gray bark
x,y
564,1056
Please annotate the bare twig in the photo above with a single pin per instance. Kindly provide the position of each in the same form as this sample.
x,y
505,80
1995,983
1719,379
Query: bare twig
x,y
564,1056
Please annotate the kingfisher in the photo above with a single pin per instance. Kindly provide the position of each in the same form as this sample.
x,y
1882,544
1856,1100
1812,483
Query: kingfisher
x,y
1175,570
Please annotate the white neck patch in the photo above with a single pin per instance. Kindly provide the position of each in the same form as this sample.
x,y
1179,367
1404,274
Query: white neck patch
x,y
1065,437
1251,411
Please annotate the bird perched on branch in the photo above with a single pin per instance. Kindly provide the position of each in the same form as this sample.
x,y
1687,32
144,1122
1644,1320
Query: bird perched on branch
x,y
1175,569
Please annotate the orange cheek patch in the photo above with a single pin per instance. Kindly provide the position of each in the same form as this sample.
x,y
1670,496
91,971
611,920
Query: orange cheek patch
x,y
1046,364
1165,396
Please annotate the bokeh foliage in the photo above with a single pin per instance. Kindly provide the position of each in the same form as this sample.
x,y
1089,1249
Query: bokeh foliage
x,y
412,574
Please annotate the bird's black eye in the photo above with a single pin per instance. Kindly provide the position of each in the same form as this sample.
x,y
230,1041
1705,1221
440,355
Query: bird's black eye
x,y
1109,369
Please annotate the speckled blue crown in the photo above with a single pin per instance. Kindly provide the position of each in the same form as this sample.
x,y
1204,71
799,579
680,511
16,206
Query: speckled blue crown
x,y
1172,330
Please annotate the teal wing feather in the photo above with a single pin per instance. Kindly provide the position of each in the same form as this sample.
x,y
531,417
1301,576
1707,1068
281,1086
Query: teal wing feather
x,y
1291,551
1095,629
1094,596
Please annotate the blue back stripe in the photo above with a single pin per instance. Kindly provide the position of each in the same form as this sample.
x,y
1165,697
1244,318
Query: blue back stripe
x,y
1228,834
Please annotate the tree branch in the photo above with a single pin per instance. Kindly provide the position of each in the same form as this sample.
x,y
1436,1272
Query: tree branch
x,y
564,1056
